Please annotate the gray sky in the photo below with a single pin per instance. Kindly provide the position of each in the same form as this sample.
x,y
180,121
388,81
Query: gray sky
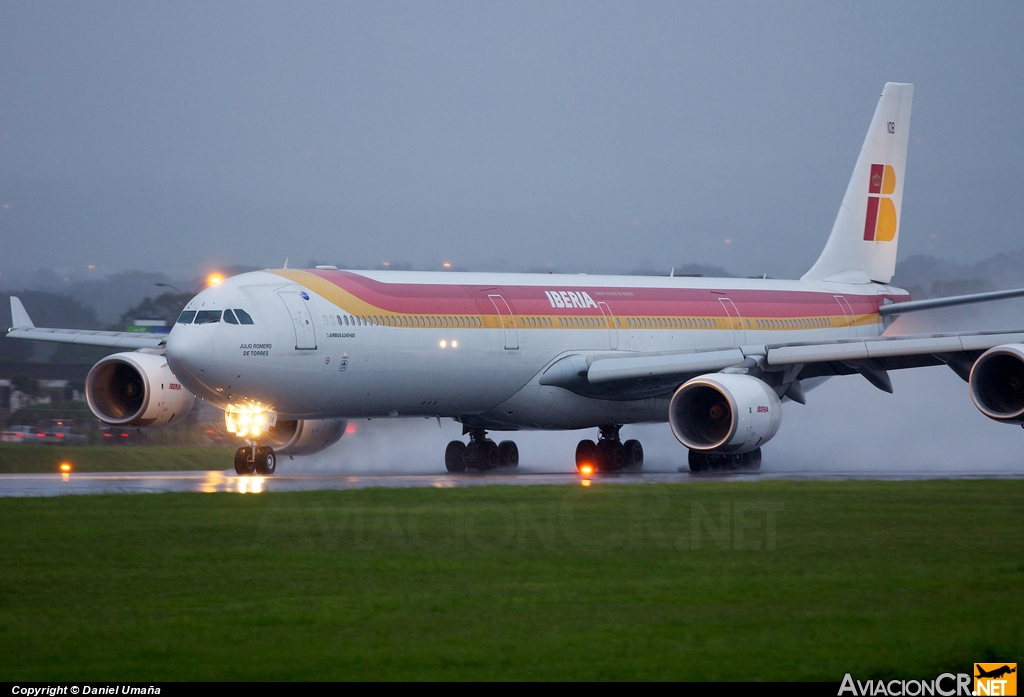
x,y
585,136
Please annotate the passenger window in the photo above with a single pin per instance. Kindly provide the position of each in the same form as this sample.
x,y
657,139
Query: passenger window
x,y
229,317
186,317
243,316
208,317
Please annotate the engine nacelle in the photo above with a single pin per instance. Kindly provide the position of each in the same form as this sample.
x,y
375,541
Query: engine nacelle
x,y
997,383
305,436
136,389
725,413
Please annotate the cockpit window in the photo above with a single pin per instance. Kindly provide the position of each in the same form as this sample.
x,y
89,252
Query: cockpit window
x,y
229,317
243,316
208,317
186,317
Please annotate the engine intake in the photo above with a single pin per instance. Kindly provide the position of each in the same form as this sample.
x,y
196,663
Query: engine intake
x,y
136,389
724,413
305,436
997,383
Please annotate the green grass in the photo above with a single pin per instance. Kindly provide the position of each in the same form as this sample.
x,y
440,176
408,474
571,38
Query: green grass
x,y
879,579
18,459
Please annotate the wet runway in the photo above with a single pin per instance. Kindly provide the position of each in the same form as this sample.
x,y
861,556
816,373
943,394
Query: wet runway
x,y
209,482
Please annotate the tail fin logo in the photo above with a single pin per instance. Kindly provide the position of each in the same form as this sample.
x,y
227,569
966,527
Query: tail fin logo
x,y
880,221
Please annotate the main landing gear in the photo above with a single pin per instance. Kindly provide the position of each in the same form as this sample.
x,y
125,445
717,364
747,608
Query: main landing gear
x,y
255,460
719,462
482,453
609,454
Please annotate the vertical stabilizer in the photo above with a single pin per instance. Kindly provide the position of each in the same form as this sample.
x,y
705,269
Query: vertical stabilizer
x,y
862,246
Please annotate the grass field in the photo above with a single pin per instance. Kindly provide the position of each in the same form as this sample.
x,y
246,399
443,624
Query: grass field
x,y
19,459
706,581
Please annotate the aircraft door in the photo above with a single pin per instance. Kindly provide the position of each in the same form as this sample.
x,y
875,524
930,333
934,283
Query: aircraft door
x,y
508,321
739,335
609,319
302,320
844,305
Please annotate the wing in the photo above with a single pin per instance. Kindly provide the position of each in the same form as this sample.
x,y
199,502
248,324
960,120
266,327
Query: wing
x,y
637,376
24,329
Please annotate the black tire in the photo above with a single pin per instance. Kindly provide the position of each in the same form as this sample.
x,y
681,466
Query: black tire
x,y
610,457
474,458
243,462
752,460
455,456
698,461
508,454
266,461
490,454
633,455
586,455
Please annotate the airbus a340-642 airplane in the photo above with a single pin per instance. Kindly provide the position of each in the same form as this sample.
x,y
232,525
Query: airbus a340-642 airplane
x,y
291,354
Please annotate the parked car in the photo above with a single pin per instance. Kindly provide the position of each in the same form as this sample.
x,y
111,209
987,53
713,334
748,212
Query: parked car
x,y
62,435
59,432
19,434
113,435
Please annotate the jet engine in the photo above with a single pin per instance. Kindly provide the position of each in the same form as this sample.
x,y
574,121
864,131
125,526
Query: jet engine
x,y
305,436
997,383
136,389
724,413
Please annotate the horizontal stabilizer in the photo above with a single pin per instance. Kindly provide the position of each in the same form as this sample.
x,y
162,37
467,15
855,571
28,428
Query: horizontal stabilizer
x,y
936,303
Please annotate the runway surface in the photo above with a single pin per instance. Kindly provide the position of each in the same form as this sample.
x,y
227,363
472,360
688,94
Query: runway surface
x,y
209,482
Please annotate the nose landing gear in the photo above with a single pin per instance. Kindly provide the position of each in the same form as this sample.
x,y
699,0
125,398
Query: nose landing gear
x,y
481,453
609,454
255,459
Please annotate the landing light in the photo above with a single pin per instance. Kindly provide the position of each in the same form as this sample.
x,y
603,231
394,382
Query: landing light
x,y
247,421
214,279
444,344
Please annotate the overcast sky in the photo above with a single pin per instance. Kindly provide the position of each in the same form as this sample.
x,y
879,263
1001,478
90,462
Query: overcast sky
x,y
576,136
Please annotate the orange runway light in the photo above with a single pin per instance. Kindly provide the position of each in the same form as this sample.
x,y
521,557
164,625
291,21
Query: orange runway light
x,y
586,470
65,467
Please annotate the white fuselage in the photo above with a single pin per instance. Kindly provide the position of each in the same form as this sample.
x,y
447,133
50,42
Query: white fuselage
x,y
342,344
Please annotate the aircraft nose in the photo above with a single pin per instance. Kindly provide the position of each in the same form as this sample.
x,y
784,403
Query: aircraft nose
x,y
189,352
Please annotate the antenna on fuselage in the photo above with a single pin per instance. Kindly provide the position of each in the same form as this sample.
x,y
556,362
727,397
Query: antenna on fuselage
x,y
285,263
672,273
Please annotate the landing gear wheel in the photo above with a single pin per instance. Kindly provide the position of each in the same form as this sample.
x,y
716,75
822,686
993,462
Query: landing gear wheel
x,y
698,461
751,461
266,461
633,455
586,455
243,462
508,454
610,457
490,454
455,456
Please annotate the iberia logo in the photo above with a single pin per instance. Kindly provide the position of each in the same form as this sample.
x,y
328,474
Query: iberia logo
x,y
880,222
995,679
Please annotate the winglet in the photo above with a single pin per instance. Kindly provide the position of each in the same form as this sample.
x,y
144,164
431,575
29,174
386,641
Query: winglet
x,y
19,318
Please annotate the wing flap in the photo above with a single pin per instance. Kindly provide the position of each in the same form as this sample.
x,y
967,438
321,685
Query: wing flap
x,y
888,347
606,370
